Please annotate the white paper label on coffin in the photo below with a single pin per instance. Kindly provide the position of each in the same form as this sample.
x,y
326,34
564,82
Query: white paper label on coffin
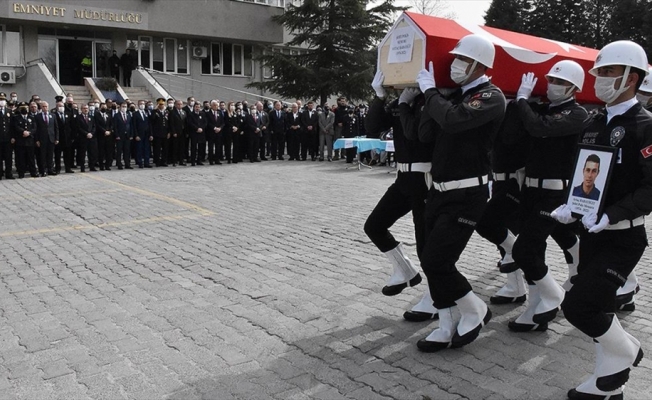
x,y
401,46
519,53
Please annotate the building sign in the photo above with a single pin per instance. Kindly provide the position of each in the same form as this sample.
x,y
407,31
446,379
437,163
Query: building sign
x,y
77,15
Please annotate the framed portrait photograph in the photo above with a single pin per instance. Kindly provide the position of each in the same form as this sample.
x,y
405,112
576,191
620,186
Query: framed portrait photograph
x,y
591,175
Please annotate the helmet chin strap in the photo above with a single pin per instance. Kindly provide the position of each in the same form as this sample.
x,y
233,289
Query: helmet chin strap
x,y
466,78
624,78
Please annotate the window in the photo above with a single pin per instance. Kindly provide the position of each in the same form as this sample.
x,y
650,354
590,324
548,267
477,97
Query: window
x,y
10,45
157,54
229,59
144,51
182,57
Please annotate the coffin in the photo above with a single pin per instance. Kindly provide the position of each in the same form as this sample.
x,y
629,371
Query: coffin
x,y
416,39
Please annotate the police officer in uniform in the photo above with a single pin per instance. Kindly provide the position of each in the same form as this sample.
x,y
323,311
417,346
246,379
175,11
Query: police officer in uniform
x,y
160,135
553,129
24,132
407,193
6,139
613,243
464,125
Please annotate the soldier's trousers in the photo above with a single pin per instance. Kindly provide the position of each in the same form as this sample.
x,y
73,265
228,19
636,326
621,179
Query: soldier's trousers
x,y
407,193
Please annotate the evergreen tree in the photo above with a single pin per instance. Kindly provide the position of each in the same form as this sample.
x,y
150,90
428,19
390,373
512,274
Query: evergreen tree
x,y
341,38
508,14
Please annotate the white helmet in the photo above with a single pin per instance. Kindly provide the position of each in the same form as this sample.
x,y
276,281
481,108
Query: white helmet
x,y
647,82
621,52
569,71
477,48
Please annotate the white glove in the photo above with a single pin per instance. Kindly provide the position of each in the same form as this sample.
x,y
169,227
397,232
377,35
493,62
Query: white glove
x,y
377,84
528,82
563,214
591,222
408,95
426,78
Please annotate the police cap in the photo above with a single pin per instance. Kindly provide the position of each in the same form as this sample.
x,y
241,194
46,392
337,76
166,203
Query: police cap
x,y
160,100
58,98
3,96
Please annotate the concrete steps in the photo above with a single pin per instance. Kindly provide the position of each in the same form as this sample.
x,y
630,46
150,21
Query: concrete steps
x,y
80,94
138,93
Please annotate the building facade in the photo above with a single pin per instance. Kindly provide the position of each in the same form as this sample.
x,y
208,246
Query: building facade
x,y
207,44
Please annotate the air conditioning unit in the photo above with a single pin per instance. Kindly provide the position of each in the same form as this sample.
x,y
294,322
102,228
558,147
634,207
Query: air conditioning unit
x,y
7,76
199,52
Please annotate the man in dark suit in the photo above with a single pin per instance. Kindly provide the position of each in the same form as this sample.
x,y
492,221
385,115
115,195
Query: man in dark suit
x,y
196,124
105,139
177,129
309,132
214,125
114,66
160,134
277,130
6,140
86,137
47,136
123,133
128,65
24,131
65,124
142,133
293,134
253,132
189,108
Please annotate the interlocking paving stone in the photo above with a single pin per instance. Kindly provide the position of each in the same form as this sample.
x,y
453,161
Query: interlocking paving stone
x,y
249,281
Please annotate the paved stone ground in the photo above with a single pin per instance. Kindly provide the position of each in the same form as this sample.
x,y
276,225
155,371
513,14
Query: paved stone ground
x,y
248,281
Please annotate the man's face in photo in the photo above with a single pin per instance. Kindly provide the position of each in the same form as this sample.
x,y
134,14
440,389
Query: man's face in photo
x,y
591,171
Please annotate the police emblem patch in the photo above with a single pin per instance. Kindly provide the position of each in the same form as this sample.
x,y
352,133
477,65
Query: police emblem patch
x,y
475,104
566,112
617,134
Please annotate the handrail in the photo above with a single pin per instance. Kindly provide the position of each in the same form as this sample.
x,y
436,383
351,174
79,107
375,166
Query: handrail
x,y
153,72
40,60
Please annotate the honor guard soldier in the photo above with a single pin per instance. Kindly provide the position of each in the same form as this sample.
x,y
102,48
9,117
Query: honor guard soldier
x,y
612,243
24,133
407,193
553,129
464,125
6,140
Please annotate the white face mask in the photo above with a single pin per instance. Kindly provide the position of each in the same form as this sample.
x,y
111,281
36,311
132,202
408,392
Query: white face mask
x,y
643,99
123,109
91,108
458,71
69,99
14,98
557,93
191,104
604,88
3,103
141,107
60,109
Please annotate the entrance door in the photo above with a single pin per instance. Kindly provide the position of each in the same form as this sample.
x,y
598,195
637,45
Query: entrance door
x,y
71,54
103,51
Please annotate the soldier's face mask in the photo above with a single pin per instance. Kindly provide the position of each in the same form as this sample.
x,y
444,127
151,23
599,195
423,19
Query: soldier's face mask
x,y
458,71
557,93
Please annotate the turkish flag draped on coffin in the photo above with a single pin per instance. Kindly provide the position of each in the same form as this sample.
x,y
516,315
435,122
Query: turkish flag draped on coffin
x,y
417,39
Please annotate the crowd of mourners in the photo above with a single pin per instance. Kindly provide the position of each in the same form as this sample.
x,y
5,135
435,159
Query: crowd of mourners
x,y
42,139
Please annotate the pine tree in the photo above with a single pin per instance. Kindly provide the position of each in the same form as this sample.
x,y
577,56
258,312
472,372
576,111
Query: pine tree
x,y
340,36
510,15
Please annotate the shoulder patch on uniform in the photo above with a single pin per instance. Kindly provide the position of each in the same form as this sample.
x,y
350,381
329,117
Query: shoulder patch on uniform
x,y
617,134
475,104
647,152
486,95
566,112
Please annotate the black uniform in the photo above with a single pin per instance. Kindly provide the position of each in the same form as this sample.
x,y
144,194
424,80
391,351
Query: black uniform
x,y
66,144
554,131
5,144
194,122
159,128
84,126
214,120
177,126
24,144
293,134
465,124
105,144
350,130
409,191
609,256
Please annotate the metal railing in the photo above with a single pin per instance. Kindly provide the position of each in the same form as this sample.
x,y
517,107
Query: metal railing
x,y
52,78
182,86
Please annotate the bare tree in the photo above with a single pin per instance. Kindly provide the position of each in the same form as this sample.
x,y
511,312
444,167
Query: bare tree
x,y
438,8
